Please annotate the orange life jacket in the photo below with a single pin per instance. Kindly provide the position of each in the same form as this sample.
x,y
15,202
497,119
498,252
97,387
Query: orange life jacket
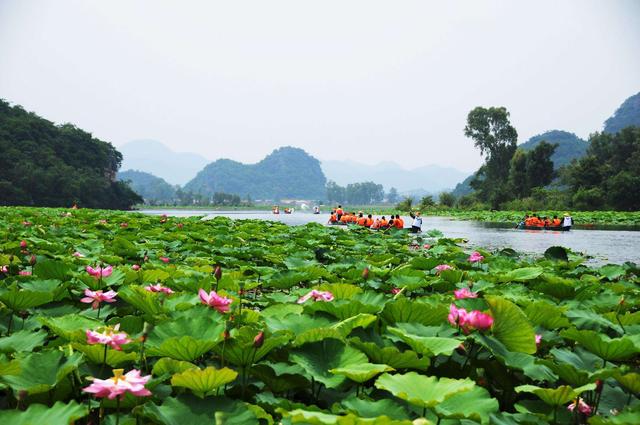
x,y
344,219
340,211
362,221
399,223
383,223
333,218
556,222
369,222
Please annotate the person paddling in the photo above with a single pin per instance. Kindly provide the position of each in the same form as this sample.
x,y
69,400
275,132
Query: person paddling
x,y
416,226
567,222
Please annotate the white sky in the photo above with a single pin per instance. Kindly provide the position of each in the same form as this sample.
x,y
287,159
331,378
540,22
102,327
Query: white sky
x,y
362,80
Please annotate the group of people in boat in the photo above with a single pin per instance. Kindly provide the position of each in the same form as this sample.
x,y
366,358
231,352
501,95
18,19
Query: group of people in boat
x,y
340,216
535,221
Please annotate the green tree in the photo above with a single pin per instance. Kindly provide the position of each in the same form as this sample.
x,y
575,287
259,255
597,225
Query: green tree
x,y
518,178
540,166
493,134
335,193
392,196
447,199
405,204
427,202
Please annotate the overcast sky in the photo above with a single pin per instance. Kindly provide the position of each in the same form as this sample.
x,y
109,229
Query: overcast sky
x,y
362,80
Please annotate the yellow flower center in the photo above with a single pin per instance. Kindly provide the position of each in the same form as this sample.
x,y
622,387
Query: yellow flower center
x,y
117,374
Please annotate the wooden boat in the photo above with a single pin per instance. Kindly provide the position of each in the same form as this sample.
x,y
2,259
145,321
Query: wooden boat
x,y
553,228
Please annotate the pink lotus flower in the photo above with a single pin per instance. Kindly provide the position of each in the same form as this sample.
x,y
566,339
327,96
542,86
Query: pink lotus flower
x,y
469,321
96,297
179,225
135,267
443,267
4,269
26,223
120,384
475,257
538,340
24,273
159,288
78,254
464,293
23,244
164,259
395,291
317,296
111,337
582,406
102,221
479,320
100,271
214,300
124,224
426,246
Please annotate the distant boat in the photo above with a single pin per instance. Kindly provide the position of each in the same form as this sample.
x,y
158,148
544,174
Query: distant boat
x,y
554,228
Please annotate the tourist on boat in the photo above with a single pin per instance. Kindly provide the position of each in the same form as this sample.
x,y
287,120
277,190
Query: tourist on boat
x,y
556,221
384,224
339,212
567,222
369,222
398,222
376,224
333,218
362,220
416,225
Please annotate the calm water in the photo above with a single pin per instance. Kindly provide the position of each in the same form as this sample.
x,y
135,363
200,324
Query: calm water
x,y
614,246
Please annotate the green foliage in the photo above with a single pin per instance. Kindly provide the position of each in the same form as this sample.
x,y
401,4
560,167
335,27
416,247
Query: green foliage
x,y
365,193
48,165
367,356
568,146
627,115
154,190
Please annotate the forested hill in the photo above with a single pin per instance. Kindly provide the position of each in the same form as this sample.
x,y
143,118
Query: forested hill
x,y
43,164
570,146
286,173
627,115
153,189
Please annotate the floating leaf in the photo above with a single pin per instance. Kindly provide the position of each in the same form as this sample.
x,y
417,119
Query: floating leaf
x,y
556,396
362,372
423,391
428,346
204,381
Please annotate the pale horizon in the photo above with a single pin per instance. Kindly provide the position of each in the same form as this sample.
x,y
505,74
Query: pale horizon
x,y
359,81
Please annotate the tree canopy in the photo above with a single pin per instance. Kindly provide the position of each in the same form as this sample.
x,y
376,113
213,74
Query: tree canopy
x,y
43,164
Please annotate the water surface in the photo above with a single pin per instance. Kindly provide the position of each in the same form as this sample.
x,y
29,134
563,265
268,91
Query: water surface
x,y
605,246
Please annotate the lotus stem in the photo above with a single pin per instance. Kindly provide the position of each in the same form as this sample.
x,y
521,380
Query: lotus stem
x,y
117,410
104,359
99,307
10,323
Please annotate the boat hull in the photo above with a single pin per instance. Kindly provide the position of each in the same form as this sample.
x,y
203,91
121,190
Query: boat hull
x,y
554,228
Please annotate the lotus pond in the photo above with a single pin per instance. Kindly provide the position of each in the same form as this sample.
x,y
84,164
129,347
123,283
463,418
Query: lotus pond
x,y
121,318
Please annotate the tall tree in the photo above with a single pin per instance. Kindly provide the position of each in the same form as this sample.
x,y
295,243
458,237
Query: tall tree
x,y
496,138
392,196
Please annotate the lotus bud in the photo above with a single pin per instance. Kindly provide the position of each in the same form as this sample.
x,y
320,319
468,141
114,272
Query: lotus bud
x,y
135,267
179,225
23,244
365,273
217,273
258,340
33,260
621,302
599,385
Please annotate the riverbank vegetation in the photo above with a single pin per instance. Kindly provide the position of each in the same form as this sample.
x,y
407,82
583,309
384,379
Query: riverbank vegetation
x,y
111,317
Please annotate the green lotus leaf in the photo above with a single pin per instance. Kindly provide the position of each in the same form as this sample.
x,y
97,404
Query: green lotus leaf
x,y
71,327
612,272
204,382
318,358
40,372
522,274
52,269
411,279
626,417
405,310
427,346
343,309
452,276
610,349
422,263
626,319
555,396
341,291
58,414
185,348
630,381
373,409
511,326
239,350
521,361
584,319
21,299
422,391
300,416
200,323
145,301
391,356
278,381
171,366
22,341
95,354
475,404
338,330
155,275
11,367
557,253
362,372
296,323
196,411
548,315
